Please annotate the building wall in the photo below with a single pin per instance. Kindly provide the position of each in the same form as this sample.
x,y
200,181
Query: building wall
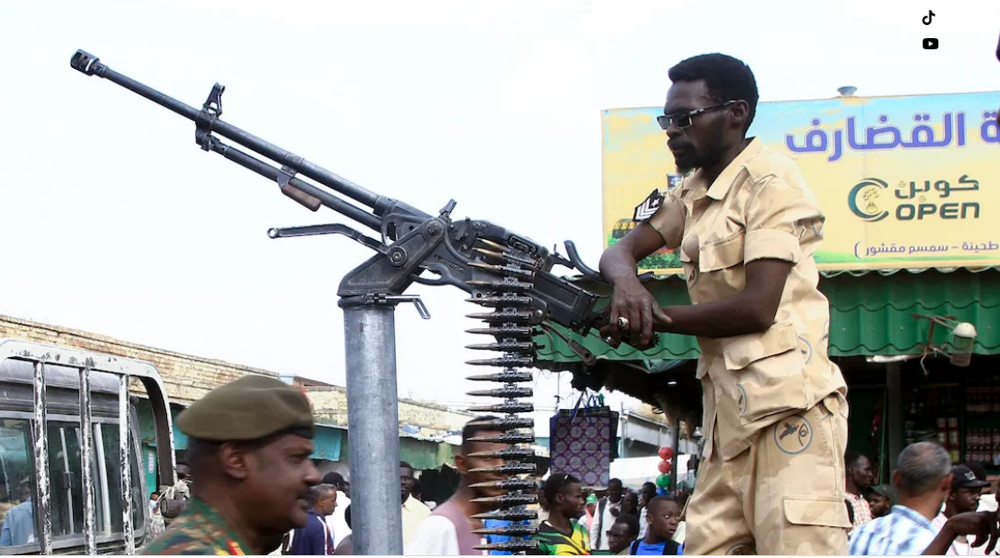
x,y
186,378
330,407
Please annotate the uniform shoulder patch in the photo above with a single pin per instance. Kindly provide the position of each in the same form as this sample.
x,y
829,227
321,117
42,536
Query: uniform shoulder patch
x,y
648,207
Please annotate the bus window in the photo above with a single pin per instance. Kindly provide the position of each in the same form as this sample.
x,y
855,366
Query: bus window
x,y
110,482
66,479
17,511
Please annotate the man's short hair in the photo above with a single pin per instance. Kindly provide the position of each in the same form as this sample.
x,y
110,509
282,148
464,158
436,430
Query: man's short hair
x,y
655,503
472,429
851,458
615,481
405,465
726,78
199,452
630,522
921,467
556,484
320,491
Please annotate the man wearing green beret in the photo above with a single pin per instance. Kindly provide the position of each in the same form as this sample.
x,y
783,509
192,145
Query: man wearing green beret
x,y
249,446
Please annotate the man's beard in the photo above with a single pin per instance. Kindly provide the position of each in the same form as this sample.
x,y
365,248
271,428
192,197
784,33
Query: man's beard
x,y
687,164
705,157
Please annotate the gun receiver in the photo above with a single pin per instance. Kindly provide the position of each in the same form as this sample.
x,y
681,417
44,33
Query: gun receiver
x,y
474,255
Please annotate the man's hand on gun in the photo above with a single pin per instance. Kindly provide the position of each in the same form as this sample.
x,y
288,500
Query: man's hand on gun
x,y
632,315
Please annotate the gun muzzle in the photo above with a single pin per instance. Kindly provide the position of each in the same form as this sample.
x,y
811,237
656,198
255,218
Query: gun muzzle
x,y
87,63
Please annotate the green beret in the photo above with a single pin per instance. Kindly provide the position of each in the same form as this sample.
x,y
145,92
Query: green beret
x,y
250,408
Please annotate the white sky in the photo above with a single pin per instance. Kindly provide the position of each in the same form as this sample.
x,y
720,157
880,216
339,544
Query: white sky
x,y
115,222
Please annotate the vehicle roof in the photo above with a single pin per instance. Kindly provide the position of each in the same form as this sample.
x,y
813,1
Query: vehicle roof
x,y
56,375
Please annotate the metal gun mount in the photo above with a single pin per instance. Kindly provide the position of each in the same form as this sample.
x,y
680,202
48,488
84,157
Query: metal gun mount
x,y
497,267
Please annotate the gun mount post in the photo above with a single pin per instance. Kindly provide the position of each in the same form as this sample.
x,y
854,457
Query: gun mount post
x,y
373,421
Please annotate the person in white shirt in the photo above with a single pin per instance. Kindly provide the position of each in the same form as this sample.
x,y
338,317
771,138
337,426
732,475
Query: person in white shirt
x,y
608,508
336,521
414,511
647,493
963,497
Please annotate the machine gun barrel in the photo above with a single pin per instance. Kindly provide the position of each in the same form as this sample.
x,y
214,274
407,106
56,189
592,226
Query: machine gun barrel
x,y
380,205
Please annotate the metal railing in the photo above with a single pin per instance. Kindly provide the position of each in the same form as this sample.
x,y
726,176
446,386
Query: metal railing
x,y
86,363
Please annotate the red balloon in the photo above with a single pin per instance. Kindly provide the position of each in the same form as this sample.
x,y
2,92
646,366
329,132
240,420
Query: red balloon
x,y
666,453
665,467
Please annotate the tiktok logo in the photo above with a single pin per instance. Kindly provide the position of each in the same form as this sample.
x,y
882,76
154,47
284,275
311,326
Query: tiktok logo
x,y
930,43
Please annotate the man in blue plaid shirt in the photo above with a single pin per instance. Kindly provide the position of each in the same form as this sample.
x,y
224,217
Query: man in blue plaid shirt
x,y
923,478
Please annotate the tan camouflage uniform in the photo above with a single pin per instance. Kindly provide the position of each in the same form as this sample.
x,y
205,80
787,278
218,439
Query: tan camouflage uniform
x,y
772,477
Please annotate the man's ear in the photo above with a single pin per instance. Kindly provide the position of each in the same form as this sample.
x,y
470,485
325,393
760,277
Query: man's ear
x,y
461,465
234,460
740,111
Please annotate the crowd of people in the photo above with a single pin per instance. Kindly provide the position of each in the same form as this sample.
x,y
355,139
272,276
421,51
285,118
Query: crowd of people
x,y
931,507
575,522
251,487
248,488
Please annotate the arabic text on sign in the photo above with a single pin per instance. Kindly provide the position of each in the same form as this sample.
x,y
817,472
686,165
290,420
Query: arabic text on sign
x,y
899,250
884,137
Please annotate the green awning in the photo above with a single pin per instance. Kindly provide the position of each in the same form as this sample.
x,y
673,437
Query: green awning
x,y
422,454
870,315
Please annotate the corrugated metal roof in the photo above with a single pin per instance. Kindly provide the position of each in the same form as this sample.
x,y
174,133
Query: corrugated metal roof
x,y
870,314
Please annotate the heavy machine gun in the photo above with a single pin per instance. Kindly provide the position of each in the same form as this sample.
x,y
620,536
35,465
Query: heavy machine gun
x,y
461,253
499,268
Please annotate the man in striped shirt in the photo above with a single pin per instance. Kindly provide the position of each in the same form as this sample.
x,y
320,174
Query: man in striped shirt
x,y
859,478
923,478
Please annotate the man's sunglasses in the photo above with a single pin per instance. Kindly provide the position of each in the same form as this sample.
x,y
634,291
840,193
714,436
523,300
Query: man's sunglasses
x,y
683,119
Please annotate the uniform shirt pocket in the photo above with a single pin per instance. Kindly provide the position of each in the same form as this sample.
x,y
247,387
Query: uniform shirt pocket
x,y
779,338
823,511
715,255
768,372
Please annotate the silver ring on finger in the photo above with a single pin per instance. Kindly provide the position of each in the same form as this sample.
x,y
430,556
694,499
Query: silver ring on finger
x,y
622,322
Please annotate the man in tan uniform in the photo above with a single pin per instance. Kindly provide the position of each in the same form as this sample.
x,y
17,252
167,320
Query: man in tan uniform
x,y
772,475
